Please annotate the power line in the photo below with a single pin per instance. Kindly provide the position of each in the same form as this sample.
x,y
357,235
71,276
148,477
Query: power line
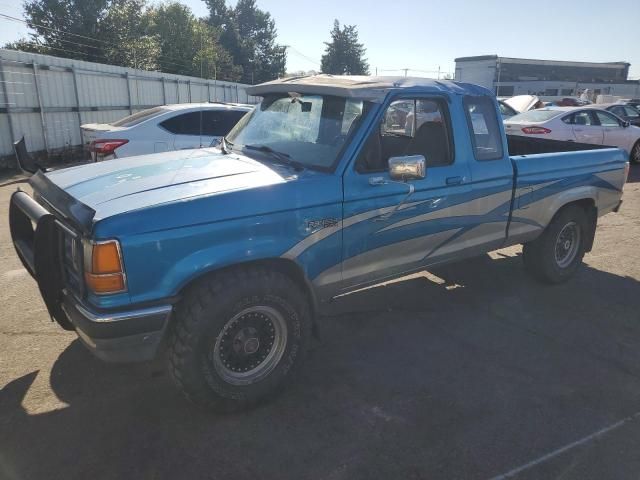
x,y
300,54
161,58
29,24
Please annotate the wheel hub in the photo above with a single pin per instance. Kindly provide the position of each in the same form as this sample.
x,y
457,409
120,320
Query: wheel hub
x,y
250,345
567,244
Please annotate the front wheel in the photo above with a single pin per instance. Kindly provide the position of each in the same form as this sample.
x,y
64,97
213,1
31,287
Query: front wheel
x,y
557,253
238,337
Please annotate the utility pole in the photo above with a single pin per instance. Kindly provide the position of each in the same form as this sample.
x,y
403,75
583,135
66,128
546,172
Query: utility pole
x,y
405,71
438,72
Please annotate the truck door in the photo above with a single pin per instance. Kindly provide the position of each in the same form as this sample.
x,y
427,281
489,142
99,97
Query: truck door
x,y
491,177
586,128
387,230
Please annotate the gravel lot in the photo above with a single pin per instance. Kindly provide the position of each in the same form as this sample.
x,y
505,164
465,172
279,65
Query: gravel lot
x,y
471,371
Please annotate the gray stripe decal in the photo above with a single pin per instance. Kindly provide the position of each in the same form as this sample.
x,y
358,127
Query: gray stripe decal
x,y
406,252
489,203
314,238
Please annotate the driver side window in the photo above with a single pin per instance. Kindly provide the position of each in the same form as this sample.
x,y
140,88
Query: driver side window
x,y
408,127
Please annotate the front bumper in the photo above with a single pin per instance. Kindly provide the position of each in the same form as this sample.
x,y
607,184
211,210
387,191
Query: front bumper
x,y
39,238
125,336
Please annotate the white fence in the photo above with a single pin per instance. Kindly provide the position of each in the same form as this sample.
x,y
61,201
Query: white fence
x,y
47,98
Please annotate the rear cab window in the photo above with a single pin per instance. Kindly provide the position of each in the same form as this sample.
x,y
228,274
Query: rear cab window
x,y
484,129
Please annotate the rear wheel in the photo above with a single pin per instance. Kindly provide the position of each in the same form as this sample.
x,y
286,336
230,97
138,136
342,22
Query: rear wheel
x,y
635,153
557,253
238,337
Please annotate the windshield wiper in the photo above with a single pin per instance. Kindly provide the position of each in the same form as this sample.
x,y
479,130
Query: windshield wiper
x,y
281,157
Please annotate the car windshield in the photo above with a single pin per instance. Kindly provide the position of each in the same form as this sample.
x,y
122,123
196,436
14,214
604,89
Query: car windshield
x,y
309,129
139,117
534,116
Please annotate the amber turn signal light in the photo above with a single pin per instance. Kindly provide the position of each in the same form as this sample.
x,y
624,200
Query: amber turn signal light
x,y
106,258
104,267
109,283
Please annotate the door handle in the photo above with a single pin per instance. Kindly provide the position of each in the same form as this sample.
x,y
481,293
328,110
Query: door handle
x,y
454,180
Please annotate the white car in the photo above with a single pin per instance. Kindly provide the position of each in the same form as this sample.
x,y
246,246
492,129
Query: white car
x,y
577,124
161,129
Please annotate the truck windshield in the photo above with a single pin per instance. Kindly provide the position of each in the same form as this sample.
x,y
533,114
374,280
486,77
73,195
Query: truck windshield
x,y
310,129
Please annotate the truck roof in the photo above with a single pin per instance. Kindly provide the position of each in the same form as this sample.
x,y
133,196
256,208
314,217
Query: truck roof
x,y
374,89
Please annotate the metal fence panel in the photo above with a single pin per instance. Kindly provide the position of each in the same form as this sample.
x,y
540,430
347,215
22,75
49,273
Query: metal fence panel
x,y
47,98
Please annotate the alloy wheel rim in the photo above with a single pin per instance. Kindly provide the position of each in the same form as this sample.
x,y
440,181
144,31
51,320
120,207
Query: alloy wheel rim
x,y
250,345
567,244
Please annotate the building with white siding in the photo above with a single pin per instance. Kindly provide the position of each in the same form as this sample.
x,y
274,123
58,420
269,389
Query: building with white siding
x,y
549,79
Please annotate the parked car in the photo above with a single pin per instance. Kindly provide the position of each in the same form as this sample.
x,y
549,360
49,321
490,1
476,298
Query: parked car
x,y
162,129
227,256
524,103
624,111
571,102
632,102
506,110
578,124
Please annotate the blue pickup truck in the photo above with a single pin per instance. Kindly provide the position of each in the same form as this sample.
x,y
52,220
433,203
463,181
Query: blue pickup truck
x,y
222,259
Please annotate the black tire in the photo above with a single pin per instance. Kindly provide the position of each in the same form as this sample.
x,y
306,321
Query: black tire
x,y
542,257
634,157
204,320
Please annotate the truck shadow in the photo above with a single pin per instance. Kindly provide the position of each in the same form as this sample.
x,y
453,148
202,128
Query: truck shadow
x,y
428,375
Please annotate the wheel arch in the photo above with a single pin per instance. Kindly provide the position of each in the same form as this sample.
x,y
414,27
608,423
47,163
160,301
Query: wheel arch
x,y
588,204
285,266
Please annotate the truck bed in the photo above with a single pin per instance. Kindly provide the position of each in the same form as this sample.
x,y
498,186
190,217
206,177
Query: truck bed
x,y
547,177
520,145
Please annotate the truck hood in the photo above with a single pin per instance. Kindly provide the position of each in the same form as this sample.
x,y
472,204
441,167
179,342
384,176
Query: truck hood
x,y
133,183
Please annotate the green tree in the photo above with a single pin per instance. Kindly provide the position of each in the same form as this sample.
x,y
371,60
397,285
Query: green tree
x,y
344,54
190,46
249,35
126,31
105,31
67,27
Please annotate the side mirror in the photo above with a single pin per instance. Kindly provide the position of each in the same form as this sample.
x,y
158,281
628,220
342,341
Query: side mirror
x,y
410,167
626,123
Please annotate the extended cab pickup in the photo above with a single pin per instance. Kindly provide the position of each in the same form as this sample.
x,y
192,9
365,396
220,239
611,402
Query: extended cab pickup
x,y
222,258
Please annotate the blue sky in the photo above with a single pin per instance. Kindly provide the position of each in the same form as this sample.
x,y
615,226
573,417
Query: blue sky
x,y
423,35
